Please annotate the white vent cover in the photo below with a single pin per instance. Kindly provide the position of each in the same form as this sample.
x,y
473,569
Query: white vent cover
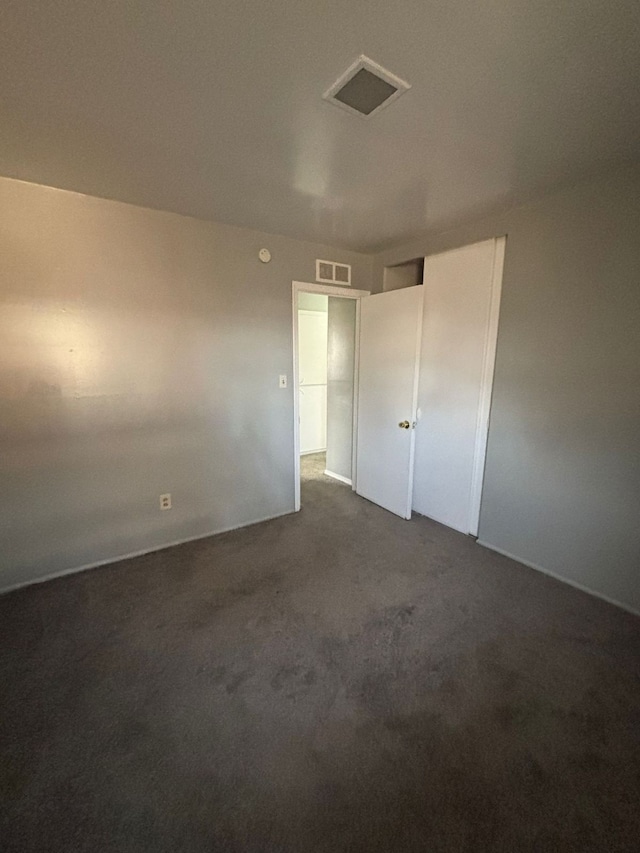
x,y
329,272
365,88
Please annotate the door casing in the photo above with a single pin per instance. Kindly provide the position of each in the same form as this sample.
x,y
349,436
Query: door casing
x,y
344,293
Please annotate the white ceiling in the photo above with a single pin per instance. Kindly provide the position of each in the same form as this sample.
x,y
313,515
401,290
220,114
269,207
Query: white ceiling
x,y
213,107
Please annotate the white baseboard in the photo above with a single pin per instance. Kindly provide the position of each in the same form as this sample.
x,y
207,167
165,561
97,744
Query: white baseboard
x,y
337,477
310,452
141,553
558,577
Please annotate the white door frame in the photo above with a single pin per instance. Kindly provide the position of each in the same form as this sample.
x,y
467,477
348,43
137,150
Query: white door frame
x,y
326,290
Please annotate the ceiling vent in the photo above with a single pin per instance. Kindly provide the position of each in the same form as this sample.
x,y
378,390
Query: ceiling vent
x,y
365,88
329,272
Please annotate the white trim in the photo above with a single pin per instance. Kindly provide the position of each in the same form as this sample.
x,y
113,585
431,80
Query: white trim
x,y
121,557
308,287
486,387
361,62
338,477
311,452
560,578
328,289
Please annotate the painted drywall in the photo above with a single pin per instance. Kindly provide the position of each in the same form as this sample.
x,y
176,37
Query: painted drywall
x,y
562,481
341,341
139,354
312,371
403,275
313,301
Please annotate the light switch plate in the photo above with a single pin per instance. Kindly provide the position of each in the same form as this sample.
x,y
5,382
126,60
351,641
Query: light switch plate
x,y
282,382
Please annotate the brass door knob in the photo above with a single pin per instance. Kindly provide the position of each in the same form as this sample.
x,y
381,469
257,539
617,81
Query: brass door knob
x,y
404,424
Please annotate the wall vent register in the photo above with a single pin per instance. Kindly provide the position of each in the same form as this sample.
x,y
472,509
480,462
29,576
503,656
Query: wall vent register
x,y
365,88
329,272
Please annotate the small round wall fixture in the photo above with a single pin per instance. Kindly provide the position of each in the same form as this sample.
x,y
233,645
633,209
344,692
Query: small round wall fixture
x,y
264,255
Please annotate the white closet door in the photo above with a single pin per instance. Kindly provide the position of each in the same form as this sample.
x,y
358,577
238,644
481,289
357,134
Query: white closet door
x,y
461,300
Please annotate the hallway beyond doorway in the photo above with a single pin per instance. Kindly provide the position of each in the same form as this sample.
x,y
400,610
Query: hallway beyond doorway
x,y
312,466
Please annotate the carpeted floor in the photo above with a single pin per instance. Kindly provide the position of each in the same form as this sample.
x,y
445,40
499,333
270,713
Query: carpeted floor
x,y
312,467
336,680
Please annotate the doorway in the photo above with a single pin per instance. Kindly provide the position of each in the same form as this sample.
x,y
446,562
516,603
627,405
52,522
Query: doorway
x,y
419,392
325,333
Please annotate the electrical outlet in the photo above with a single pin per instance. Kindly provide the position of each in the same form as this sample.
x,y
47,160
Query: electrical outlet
x,y
282,382
165,501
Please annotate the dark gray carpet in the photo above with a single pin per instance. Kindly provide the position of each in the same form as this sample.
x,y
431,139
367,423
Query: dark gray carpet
x,y
338,680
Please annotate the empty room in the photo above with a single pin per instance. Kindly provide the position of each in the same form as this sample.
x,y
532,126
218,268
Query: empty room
x,y
319,427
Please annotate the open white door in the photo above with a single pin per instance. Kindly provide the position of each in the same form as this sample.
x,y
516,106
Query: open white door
x,y
390,327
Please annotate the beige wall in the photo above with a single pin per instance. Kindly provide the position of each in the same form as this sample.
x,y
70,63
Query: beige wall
x,y
140,351
562,482
341,350
139,354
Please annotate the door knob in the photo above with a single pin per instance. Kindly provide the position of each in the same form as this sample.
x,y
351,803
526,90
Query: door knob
x,y
404,424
